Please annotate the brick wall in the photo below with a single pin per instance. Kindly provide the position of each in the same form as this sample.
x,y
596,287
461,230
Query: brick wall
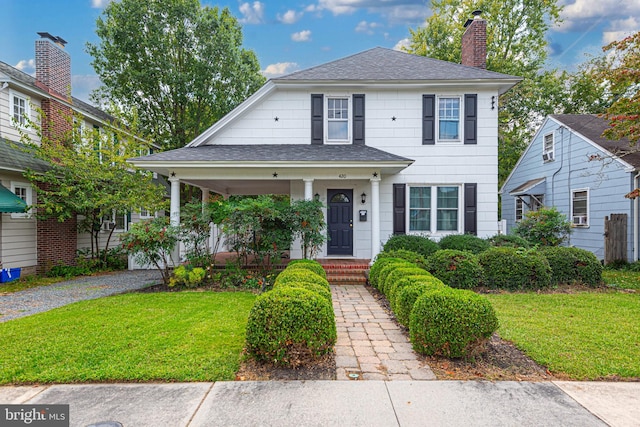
x,y
474,44
56,120
53,68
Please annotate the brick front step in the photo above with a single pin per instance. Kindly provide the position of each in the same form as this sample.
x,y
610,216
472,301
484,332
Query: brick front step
x,y
347,280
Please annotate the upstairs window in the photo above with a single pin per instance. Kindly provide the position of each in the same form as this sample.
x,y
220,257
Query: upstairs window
x,y
548,152
337,119
449,119
24,192
19,109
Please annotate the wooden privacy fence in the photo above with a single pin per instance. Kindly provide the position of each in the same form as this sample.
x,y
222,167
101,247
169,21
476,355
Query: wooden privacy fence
x,y
615,238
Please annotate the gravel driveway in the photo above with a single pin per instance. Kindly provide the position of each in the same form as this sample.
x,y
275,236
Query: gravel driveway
x,y
43,298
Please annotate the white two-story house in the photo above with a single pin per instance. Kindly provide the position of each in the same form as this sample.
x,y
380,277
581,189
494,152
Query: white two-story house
x,y
390,142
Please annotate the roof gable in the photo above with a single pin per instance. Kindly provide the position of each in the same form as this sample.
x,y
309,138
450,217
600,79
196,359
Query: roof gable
x,y
381,64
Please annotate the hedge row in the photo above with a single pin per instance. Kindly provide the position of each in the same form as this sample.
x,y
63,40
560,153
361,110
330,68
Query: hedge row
x,y
441,320
294,323
502,262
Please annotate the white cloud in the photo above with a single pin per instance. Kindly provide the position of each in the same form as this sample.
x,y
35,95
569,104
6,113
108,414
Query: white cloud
x,y
392,10
403,45
252,13
99,4
579,15
623,28
301,36
26,65
367,27
290,17
279,69
83,84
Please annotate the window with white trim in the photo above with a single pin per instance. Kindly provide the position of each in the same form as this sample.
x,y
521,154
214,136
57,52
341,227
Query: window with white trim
x,y
434,209
449,118
20,109
23,191
580,207
548,147
146,214
338,119
519,209
118,220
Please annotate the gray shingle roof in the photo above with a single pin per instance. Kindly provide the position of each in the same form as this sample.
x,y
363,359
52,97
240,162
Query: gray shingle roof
x,y
592,127
28,80
13,157
392,65
275,153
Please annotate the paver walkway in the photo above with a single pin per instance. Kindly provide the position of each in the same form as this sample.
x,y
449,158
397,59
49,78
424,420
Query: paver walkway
x,y
370,343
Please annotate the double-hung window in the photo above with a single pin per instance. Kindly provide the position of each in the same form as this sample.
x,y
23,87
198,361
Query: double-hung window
x,y
449,119
19,109
434,209
24,192
519,209
548,152
580,207
337,119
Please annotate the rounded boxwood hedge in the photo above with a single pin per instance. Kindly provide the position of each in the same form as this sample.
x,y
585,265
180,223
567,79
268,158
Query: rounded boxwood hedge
x,y
410,256
290,326
314,287
510,240
458,269
392,292
573,265
511,268
309,264
464,242
378,265
451,322
388,268
418,244
406,296
300,275
397,274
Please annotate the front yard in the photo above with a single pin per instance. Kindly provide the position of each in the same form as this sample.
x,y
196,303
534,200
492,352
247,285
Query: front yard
x,y
185,336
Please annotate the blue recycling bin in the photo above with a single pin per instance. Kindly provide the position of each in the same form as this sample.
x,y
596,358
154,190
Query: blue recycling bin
x,y
9,274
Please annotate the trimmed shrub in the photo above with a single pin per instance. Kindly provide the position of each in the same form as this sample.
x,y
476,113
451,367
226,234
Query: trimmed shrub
x,y
378,265
418,244
290,326
410,256
300,275
451,322
314,287
398,274
406,296
309,264
573,265
544,227
509,240
511,268
458,269
464,242
384,272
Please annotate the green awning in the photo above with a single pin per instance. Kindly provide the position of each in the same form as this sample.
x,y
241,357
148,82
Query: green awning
x,y
10,203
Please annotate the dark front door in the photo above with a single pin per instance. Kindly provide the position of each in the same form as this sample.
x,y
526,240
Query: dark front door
x,y
340,223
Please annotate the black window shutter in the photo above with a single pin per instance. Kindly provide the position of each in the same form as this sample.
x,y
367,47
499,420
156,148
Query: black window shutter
x,y
358,119
399,194
428,119
317,119
470,118
470,208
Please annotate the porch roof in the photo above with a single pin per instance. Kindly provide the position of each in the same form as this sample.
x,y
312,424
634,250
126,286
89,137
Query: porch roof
x,y
533,186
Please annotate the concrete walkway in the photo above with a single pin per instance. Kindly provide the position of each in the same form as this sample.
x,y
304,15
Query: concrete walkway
x,y
370,344
340,403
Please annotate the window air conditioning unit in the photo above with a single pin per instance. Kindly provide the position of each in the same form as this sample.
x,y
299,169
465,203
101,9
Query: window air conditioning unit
x,y
108,225
580,220
547,157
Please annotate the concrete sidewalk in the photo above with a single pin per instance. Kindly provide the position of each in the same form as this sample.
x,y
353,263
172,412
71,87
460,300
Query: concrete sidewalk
x,y
342,403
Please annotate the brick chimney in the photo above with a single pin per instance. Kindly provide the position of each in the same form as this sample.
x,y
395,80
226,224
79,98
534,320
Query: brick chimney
x,y
474,42
56,241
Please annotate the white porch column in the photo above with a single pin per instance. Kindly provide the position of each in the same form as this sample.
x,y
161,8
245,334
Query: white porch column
x,y
205,199
308,188
175,201
375,217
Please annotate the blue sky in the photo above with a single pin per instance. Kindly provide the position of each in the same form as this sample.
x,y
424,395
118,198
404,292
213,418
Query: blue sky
x,y
289,35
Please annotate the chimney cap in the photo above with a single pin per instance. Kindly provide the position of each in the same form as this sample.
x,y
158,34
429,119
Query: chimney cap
x,y
58,40
476,15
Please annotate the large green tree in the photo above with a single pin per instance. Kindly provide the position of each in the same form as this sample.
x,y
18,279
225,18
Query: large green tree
x,y
177,65
89,176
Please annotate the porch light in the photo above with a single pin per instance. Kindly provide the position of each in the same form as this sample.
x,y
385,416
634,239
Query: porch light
x,y
363,198
316,197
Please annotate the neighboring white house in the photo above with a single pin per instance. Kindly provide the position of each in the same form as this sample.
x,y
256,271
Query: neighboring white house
x,y
24,242
390,142
571,166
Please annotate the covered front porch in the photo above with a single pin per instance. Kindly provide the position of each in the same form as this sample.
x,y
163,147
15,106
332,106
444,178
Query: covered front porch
x,y
346,178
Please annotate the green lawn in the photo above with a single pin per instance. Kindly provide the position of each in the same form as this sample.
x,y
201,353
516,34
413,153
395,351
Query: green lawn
x,y
622,279
181,336
586,336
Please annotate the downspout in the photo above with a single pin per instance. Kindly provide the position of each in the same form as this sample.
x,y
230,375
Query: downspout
x,y
553,177
635,220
